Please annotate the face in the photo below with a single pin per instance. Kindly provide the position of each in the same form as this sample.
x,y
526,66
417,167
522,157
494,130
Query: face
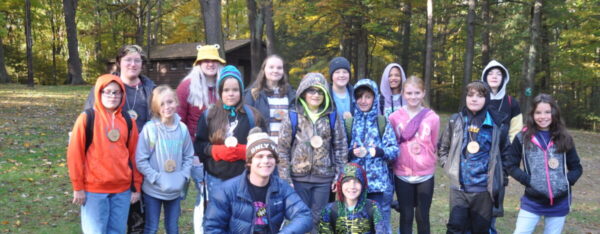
x,y
340,77
475,101
494,78
351,189
262,164
231,92
413,95
168,106
274,69
543,116
131,65
365,102
314,97
111,96
209,67
395,78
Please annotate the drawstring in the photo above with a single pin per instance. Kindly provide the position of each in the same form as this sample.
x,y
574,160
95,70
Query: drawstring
x,y
231,109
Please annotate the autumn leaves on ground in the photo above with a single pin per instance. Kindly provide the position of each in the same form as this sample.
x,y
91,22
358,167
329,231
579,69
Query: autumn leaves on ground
x,y
35,192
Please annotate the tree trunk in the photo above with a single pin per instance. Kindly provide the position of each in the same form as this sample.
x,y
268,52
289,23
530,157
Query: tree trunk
x,y
404,59
269,27
148,38
468,67
211,13
139,34
29,43
362,49
532,54
429,52
54,28
485,33
545,60
98,33
4,77
74,63
256,23
155,35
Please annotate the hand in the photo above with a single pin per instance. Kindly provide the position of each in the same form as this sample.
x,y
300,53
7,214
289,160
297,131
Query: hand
x,y
135,197
334,187
79,197
359,152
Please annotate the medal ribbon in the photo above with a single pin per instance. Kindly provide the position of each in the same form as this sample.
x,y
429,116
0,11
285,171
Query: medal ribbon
x,y
163,137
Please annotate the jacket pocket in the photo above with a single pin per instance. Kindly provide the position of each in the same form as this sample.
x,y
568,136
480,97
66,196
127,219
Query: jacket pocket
x,y
170,182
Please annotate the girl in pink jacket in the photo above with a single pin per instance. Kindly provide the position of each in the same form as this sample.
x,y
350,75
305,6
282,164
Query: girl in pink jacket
x,y
416,129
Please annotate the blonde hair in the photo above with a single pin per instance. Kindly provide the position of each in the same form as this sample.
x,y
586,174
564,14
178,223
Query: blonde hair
x,y
414,80
157,96
199,88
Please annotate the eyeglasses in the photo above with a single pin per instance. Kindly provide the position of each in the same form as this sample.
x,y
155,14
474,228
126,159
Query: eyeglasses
x,y
135,61
109,93
314,91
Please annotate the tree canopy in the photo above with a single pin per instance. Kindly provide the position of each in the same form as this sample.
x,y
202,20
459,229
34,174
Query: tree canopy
x,y
309,33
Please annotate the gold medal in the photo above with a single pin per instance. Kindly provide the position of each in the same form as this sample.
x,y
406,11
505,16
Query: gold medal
x,y
231,141
553,163
132,114
170,165
415,148
473,147
316,141
113,135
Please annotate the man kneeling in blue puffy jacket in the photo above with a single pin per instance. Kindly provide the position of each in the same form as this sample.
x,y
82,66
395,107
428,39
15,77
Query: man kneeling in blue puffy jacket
x,y
256,201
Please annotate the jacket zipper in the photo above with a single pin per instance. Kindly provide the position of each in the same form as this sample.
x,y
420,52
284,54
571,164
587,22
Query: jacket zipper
x,y
548,178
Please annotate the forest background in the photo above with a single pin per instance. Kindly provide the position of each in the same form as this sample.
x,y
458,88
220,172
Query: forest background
x,y
550,46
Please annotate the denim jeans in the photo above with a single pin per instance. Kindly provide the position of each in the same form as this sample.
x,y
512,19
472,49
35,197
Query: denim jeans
x,y
198,178
315,196
105,212
526,222
384,201
152,213
212,183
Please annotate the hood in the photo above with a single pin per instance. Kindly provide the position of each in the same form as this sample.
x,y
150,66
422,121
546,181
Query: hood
x,y
316,80
102,82
356,171
373,86
386,91
505,79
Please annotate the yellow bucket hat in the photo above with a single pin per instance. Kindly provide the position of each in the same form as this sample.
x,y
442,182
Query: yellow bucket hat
x,y
208,52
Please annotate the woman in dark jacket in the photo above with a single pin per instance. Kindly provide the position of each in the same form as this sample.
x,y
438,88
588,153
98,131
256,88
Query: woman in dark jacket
x,y
271,94
221,134
550,167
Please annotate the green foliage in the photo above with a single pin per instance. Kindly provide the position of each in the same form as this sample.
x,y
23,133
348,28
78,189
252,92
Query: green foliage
x,y
310,33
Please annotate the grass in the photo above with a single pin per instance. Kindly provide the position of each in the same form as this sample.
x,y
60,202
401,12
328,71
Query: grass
x,y
35,191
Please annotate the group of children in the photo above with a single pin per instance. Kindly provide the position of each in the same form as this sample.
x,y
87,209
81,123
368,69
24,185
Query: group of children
x,y
270,153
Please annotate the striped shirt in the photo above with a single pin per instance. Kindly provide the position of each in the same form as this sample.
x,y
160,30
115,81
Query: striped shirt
x,y
278,108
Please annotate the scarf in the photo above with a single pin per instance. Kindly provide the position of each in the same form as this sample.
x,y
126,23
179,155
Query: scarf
x,y
231,110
